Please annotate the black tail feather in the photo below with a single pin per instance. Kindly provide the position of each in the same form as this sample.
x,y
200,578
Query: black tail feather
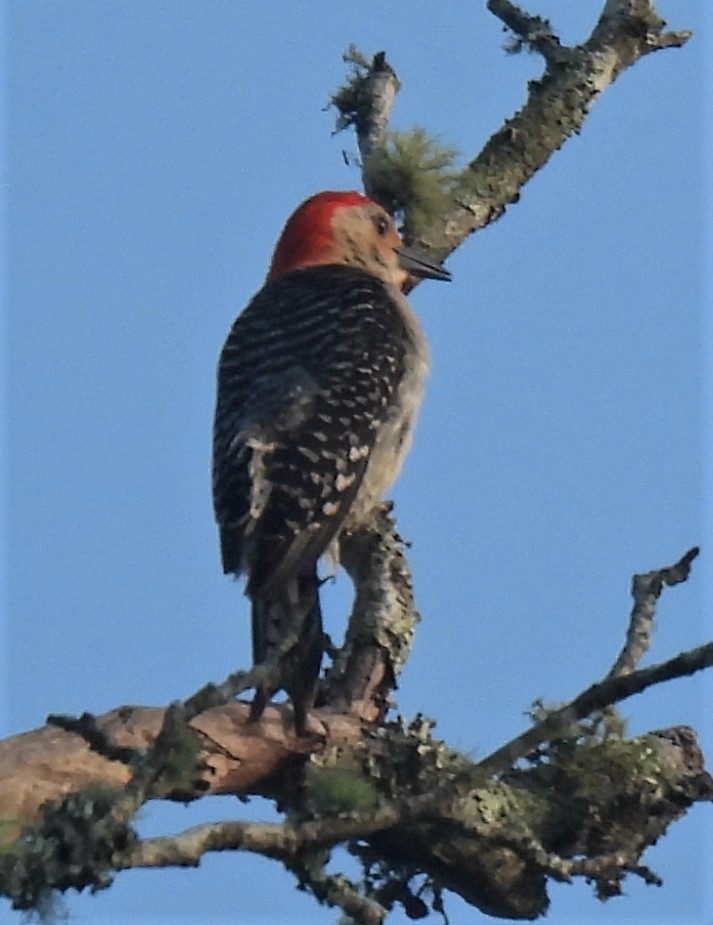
x,y
287,633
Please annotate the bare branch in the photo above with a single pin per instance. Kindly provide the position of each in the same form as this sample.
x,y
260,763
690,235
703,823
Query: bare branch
x,y
275,840
294,845
646,590
533,31
336,890
600,695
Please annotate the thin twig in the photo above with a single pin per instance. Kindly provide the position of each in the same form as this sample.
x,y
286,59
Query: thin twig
x,y
215,695
604,693
276,840
333,889
646,589
98,741
534,31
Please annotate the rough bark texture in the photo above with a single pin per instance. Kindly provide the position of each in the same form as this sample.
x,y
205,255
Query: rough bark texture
x,y
595,796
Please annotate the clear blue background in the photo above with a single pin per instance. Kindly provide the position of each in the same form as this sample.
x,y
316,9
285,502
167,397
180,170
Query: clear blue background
x,y
153,150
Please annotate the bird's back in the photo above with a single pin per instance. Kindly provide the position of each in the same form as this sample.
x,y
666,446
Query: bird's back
x,y
308,375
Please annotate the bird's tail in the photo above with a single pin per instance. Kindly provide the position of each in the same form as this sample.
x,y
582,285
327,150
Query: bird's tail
x,y
287,634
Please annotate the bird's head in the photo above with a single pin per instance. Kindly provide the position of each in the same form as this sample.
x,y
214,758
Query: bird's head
x,y
348,228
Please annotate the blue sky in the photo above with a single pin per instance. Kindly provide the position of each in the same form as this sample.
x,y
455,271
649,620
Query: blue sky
x,y
153,151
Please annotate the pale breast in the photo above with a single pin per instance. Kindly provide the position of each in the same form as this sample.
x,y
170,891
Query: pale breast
x,y
395,435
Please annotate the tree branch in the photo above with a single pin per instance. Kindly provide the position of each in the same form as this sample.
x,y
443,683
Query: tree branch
x,y
600,695
381,627
646,590
556,108
533,31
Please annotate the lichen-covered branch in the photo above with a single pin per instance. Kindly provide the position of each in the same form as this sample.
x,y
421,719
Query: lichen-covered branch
x,y
588,807
556,107
381,627
365,101
489,835
600,695
492,831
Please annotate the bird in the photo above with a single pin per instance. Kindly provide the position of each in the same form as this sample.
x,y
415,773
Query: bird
x,y
319,383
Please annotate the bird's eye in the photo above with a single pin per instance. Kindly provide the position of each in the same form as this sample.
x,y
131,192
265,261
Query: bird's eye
x,y
382,225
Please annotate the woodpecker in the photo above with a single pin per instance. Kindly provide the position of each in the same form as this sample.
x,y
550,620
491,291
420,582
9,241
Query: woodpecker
x,y
319,383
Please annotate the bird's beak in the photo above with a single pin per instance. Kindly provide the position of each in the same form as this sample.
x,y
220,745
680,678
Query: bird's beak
x,y
418,264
